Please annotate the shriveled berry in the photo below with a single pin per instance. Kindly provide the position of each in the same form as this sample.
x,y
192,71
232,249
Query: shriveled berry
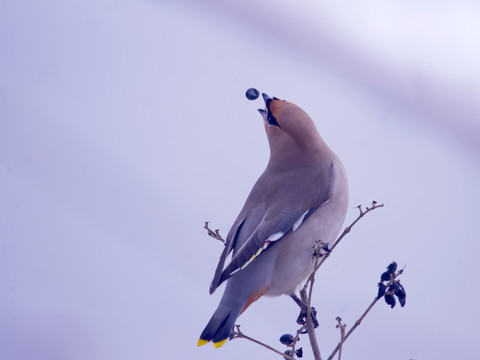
x,y
299,352
381,290
392,267
390,300
288,352
252,94
385,276
402,299
401,295
393,288
287,339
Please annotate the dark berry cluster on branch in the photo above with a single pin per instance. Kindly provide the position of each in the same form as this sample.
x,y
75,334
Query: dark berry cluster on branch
x,y
392,288
289,340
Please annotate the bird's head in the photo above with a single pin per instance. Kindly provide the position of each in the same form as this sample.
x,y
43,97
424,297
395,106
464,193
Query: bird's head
x,y
290,131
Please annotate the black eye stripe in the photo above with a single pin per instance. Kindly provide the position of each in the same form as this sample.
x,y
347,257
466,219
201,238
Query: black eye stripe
x,y
271,119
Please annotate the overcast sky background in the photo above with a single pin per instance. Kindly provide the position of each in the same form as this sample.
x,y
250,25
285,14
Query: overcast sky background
x,y
124,126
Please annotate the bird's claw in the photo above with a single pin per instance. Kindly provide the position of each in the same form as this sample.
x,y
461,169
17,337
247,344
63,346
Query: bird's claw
x,y
301,320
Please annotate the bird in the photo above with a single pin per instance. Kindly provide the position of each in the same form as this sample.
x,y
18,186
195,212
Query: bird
x,y
300,198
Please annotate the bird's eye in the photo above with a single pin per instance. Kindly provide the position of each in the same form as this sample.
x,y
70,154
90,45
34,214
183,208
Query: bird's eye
x,y
271,119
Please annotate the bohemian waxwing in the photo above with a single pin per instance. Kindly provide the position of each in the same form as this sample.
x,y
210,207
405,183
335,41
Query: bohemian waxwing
x,y
300,198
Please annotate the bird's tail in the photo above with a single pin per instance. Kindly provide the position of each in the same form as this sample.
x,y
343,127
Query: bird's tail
x,y
219,327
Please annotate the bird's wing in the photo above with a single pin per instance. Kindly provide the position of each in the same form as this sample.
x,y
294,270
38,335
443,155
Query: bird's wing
x,y
269,219
246,223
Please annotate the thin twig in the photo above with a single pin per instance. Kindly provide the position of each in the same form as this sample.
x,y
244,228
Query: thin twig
x,y
213,233
238,334
311,280
374,206
312,276
342,335
358,322
297,338
308,300
310,327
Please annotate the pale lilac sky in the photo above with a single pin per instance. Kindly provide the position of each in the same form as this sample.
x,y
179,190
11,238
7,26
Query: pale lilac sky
x,y
124,126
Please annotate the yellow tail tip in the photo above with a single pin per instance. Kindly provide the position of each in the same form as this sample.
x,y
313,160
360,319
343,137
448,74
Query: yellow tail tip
x,y
202,342
219,344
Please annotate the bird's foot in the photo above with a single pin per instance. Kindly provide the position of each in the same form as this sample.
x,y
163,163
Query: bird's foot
x,y
302,317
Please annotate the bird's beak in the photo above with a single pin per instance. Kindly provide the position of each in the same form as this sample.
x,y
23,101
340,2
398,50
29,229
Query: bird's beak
x,y
266,113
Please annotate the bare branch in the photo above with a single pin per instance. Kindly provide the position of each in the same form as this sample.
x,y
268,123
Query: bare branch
x,y
358,322
297,338
324,257
342,335
319,260
238,334
307,299
309,325
213,233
